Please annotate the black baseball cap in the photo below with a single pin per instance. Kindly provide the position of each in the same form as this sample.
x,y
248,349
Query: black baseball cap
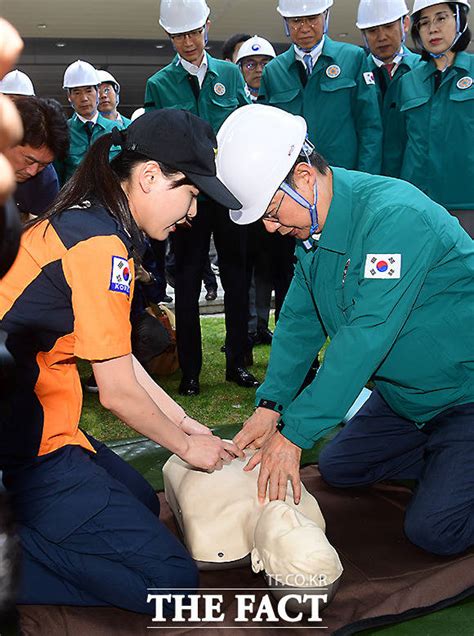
x,y
182,141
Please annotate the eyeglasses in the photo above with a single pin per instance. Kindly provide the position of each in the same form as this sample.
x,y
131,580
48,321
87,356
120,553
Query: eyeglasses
x,y
251,65
194,35
439,20
273,216
106,90
311,21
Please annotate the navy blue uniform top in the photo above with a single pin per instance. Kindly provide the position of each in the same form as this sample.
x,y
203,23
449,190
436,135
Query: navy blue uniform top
x,y
37,194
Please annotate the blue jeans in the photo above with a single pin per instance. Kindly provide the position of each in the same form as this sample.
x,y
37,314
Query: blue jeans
x,y
378,444
90,533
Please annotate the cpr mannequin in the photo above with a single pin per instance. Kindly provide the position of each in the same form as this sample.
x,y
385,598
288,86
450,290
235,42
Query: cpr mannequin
x,y
222,523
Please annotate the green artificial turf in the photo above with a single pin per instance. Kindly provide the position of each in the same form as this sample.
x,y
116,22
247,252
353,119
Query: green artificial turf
x,y
219,402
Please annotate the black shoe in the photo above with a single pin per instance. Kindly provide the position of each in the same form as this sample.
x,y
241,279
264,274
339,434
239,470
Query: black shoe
x,y
167,299
189,387
211,294
263,336
242,377
90,385
223,348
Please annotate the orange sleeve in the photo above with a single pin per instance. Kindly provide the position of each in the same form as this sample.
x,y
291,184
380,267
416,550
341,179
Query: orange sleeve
x,y
101,278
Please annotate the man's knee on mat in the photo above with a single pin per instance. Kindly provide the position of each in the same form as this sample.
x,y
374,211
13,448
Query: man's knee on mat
x,y
443,537
339,473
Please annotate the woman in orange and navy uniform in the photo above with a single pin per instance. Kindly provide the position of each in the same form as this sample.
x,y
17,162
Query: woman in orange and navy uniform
x,y
88,522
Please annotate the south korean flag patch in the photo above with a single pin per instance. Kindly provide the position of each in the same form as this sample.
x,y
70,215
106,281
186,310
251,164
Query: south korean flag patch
x,y
369,78
121,276
383,266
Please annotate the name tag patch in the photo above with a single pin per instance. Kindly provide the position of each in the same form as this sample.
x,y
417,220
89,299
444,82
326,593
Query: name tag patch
x,y
369,78
121,276
383,266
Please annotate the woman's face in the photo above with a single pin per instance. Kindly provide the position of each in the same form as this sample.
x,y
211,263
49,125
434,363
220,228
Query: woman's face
x,y
156,206
437,28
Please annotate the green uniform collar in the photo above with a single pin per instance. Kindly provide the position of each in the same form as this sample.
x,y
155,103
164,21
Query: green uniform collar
x,y
182,73
410,60
462,61
335,234
101,121
328,54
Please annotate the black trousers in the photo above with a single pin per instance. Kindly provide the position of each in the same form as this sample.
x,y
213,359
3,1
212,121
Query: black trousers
x,y
191,248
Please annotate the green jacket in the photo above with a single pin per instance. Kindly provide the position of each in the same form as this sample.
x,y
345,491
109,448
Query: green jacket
x,y
80,144
388,100
339,103
436,138
223,91
391,277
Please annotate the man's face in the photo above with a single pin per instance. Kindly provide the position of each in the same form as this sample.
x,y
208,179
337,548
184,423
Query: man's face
x,y
252,69
385,41
27,161
107,98
190,45
84,100
306,31
287,217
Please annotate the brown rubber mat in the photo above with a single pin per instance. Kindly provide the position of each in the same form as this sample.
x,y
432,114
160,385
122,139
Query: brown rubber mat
x,y
386,579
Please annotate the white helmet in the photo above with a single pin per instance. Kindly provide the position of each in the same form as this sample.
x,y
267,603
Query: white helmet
x,y
80,73
17,83
181,16
252,160
423,4
297,8
137,113
106,77
374,13
255,46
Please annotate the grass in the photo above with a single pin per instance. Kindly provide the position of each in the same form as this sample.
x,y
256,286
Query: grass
x,y
219,403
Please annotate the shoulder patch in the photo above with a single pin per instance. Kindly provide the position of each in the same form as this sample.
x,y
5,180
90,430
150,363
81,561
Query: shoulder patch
x,y
383,266
120,277
369,78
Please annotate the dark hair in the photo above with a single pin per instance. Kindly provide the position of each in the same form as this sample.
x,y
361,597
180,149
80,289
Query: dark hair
x,y
44,124
229,45
461,44
315,159
99,179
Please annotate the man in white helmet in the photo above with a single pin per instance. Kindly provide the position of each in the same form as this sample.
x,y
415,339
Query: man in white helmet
x,y
329,83
109,99
384,25
253,56
211,89
81,83
17,83
385,273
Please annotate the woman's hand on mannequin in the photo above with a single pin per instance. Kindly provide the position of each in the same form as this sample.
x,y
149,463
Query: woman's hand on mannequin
x,y
260,426
279,461
209,452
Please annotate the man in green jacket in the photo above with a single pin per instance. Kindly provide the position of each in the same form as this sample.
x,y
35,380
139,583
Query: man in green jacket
x,y
81,82
384,26
385,273
211,89
329,83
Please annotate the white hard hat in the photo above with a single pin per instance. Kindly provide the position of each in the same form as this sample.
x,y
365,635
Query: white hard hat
x,y
80,73
137,113
255,46
374,13
423,4
181,16
297,8
106,77
257,147
17,83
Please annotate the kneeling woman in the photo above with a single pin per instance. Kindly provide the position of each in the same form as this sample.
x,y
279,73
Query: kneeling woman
x,y
437,106
88,522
